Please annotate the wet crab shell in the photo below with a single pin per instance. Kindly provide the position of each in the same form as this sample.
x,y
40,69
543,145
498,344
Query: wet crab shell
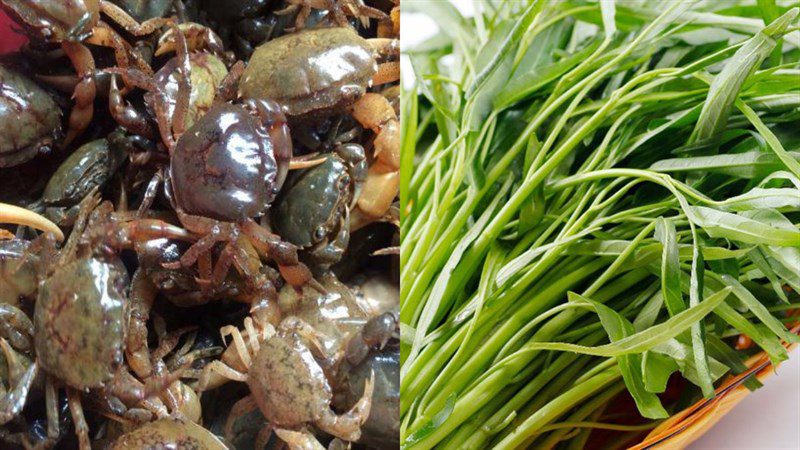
x,y
230,165
90,166
288,384
29,118
168,434
315,71
55,21
310,204
79,321
206,73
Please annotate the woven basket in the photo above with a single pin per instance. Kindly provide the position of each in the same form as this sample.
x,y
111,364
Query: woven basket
x,y
683,428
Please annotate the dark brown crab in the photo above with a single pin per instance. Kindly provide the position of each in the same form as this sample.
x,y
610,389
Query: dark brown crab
x,y
224,171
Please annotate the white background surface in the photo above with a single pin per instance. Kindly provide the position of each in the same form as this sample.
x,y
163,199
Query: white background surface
x,y
767,419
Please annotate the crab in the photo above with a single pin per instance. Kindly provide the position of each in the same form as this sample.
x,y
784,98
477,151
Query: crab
x,y
80,318
313,210
30,121
71,24
321,72
288,385
88,167
80,326
330,333
225,170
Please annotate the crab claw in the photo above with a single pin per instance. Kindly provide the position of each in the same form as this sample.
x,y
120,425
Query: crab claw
x,y
21,216
348,425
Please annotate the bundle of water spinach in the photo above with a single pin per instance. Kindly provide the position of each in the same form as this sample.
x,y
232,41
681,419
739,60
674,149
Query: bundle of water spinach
x,y
597,199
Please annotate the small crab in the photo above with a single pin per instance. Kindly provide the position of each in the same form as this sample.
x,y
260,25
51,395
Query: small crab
x,y
71,24
80,323
30,121
288,385
382,429
90,166
315,72
313,210
320,72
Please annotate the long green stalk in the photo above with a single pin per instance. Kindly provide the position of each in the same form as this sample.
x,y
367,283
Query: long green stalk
x,y
596,201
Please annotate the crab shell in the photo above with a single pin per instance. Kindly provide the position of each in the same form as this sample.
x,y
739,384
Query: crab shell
x,y
317,71
55,20
29,118
232,162
79,321
288,384
169,433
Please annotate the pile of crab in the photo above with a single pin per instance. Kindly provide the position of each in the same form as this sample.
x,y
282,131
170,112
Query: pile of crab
x,y
198,225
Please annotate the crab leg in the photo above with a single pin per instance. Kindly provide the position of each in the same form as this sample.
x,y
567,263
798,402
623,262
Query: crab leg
x,y
143,293
120,17
81,428
84,92
348,425
21,216
184,85
14,400
197,36
380,188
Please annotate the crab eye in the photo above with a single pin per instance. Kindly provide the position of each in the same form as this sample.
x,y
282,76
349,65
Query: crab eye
x,y
319,233
344,182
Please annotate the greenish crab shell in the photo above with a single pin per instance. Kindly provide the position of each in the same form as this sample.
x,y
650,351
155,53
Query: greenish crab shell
x,y
91,165
79,321
29,118
311,203
312,71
